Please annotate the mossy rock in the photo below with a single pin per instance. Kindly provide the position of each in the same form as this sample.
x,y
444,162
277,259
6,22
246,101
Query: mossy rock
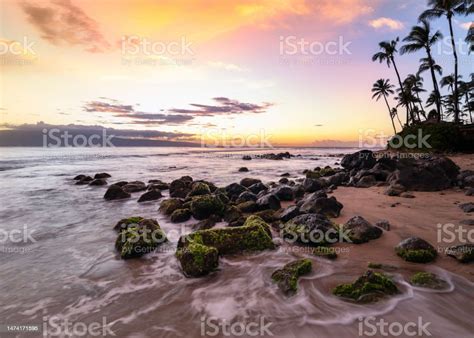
x,y
464,253
203,207
325,252
139,239
254,235
180,215
169,205
313,174
199,188
197,260
428,280
370,287
416,250
124,223
287,277
380,266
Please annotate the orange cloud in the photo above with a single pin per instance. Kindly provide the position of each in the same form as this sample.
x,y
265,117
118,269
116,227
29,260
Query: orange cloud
x,y
386,22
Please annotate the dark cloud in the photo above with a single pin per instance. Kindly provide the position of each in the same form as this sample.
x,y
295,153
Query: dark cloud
x,y
60,22
226,107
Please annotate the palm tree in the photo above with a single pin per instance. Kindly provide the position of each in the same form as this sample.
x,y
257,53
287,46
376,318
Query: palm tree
x,y
383,88
470,38
387,54
466,89
415,84
406,99
449,8
419,38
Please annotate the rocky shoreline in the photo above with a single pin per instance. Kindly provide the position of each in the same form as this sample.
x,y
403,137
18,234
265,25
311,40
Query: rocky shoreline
x,y
251,216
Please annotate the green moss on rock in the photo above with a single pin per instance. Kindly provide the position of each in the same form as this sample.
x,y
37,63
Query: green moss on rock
x,y
370,287
325,252
198,260
169,205
287,277
126,222
180,215
199,188
417,255
139,239
204,206
428,280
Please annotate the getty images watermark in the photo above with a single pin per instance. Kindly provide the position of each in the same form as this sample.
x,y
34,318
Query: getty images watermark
x,y
11,240
56,138
371,138
373,327
212,326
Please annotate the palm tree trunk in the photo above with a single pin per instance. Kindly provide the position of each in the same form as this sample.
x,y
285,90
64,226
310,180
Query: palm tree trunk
x,y
401,87
421,105
435,84
390,114
456,97
468,106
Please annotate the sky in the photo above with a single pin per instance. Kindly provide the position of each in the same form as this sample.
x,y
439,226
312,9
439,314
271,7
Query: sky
x,y
295,72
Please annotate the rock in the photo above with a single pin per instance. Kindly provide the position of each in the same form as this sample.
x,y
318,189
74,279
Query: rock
x,y
168,206
284,193
432,174
125,223
180,215
246,158
121,183
285,175
246,196
268,216
232,214
243,170
283,180
114,192
290,213
248,207
199,188
158,185
268,201
337,179
151,195
428,280
204,206
298,191
101,175
287,277
386,267
464,253
416,250
310,229
467,222
180,188
370,287
311,185
366,182
395,190
469,192
364,159
138,239
234,190
360,231
135,186
384,224
469,181
407,195
327,206
258,187
98,182
197,260
79,177
325,252
247,182
467,207
84,180
254,235
207,223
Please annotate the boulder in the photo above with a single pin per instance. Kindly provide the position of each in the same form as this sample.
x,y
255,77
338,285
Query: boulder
x,y
464,253
101,175
298,191
247,207
114,192
366,182
135,240
168,206
290,213
84,180
232,214
158,185
246,196
151,195
98,182
135,186
247,182
287,277
370,287
311,185
125,223
322,205
258,187
363,159
234,190
203,207
180,188
310,229
199,188
197,260
79,177
416,250
429,281
360,230
384,224
207,223
180,215
467,207
268,201
284,193
243,170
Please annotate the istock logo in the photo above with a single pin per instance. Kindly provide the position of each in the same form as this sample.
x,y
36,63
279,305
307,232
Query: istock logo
x,y
16,47
371,327
57,327
55,138
212,326
292,45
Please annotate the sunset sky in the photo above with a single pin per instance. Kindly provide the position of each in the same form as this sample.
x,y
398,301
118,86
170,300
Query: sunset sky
x,y
227,70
